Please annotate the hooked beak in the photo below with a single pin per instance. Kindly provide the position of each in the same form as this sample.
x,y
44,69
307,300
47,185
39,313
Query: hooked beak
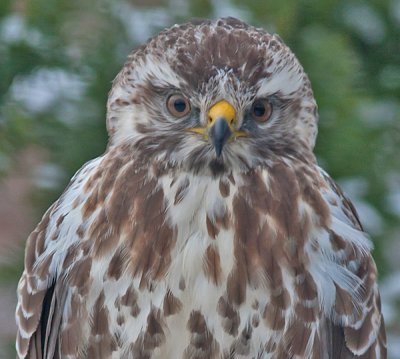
x,y
221,126
219,134
221,119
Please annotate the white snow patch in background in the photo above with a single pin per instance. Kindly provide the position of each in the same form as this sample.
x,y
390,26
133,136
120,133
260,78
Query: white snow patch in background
x,y
355,188
378,113
390,287
43,87
393,200
48,176
369,216
395,13
14,29
393,346
224,8
393,197
141,23
364,20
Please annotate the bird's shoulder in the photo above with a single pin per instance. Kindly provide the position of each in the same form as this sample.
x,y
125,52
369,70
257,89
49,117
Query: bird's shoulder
x,y
49,249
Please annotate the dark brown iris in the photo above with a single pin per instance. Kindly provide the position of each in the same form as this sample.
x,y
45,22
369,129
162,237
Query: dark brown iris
x,y
178,105
261,110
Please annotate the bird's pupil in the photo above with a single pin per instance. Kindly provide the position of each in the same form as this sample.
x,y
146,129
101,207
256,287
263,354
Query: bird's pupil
x,y
259,109
180,105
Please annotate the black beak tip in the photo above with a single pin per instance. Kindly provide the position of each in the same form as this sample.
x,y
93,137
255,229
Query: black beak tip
x,y
220,134
218,149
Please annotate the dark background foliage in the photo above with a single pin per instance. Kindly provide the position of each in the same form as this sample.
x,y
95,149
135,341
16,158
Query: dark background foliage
x,y
58,58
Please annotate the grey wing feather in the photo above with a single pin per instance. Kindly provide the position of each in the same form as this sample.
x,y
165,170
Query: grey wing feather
x,y
364,334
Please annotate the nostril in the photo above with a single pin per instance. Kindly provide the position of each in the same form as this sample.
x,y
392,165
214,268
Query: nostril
x,y
209,120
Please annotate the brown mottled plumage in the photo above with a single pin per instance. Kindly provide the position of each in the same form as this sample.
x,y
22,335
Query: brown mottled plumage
x,y
207,229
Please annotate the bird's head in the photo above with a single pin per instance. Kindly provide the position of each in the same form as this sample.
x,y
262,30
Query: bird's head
x,y
211,97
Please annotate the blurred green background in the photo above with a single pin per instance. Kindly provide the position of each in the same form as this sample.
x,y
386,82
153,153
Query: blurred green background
x,y
57,61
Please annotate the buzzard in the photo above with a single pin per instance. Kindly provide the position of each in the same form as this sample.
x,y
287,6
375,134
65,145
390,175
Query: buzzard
x,y
207,228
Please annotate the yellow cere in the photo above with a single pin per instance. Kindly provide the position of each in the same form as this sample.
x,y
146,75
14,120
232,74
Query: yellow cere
x,y
222,109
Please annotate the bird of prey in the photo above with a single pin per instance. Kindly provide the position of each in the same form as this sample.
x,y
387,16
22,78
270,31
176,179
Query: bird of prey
x,y
207,228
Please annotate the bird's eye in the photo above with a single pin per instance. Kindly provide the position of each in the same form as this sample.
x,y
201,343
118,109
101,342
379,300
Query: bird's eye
x,y
178,105
261,110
